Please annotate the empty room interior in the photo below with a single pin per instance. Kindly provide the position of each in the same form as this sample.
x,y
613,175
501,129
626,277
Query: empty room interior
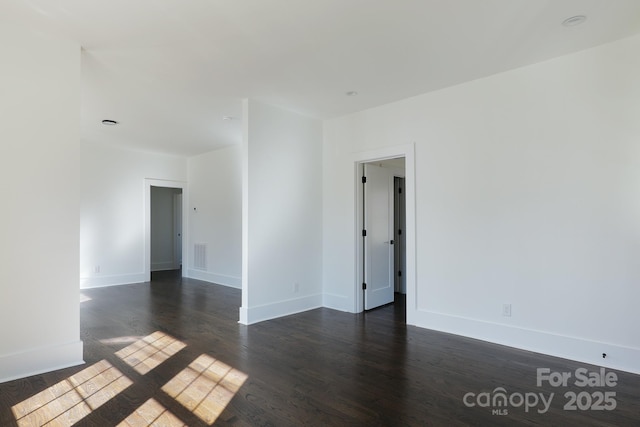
x,y
266,212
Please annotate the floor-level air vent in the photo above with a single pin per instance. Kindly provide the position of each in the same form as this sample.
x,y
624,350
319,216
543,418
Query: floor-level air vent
x,y
200,256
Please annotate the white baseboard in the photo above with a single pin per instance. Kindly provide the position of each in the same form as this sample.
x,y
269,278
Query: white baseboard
x,y
337,302
102,281
218,279
163,266
40,360
251,315
577,349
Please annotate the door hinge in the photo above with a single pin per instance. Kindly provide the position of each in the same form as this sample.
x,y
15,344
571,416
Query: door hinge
x,y
364,233
399,190
399,273
364,286
400,232
364,179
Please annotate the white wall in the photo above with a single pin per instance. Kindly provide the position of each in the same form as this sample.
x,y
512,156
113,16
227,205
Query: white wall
x,y
39,151
527,193
282,213
112,226
215,214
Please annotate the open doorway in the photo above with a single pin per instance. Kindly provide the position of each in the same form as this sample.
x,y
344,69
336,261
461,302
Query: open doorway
x,y
166,229
409,274
168,209
383,246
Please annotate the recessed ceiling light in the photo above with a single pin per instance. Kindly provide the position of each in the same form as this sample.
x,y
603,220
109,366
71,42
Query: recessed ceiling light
x,y
109,122
574,20
351,93
227,118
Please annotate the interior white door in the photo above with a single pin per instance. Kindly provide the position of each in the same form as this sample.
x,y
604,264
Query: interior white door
x,y
378,223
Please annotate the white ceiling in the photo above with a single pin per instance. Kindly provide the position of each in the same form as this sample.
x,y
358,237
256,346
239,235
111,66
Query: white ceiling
x,y
169,70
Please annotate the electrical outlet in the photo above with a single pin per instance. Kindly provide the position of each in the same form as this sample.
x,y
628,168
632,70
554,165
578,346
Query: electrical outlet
x,y
296,287
506,310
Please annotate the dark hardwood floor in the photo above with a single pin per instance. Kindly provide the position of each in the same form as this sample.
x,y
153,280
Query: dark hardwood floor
x,y
321,367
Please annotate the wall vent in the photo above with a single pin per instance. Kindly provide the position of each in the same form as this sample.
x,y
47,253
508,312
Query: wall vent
x,y
200,256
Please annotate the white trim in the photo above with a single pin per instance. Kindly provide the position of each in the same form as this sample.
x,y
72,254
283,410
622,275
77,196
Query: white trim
x,y
163,266
251,315
40,360
408,152
573,348
115,280
245,212
243,317
148,183
217,279
337,302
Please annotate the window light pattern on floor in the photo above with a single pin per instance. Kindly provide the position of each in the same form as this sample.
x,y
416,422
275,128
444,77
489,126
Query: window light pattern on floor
x,y
68,401
205,387
151,413
150,351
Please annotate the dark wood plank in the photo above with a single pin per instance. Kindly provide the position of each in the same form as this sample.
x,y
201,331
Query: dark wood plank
x,y
321,367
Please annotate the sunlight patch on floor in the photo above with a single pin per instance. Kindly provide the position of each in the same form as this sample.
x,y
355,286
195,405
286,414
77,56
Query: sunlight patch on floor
x,y
117,341
205,387
84,297
72,399
149,352
151,413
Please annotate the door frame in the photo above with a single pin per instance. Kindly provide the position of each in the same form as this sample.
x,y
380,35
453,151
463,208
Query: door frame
x,y
359,159
148,183
399,251
178,207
